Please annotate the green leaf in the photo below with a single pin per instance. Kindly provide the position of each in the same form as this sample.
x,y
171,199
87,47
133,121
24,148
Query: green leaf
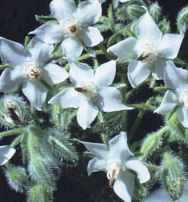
x,y
152,143
172,175
64,148
40,193
41,162
177,131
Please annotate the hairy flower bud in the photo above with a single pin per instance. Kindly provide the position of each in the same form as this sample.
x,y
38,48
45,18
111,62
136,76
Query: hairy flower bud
x,y
155,10
13,111
182,19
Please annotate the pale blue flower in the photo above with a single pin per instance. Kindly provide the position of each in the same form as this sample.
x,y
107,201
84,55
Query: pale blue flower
x,y
149,52
119,164
73,26
161,195
6,153
176,98
29,69
91,92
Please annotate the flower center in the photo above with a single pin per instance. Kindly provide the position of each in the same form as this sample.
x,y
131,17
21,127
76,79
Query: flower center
x,y
89,89
32,71
113,171
149,54
71,27
184,98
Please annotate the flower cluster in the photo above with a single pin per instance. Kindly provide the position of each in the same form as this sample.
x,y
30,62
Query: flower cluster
x,y
59,68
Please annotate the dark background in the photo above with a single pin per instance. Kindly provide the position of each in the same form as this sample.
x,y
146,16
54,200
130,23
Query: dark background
x,y
16,20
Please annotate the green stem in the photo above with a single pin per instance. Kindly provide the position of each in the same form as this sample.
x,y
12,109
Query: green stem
x,y
8,133
89,55
136,124
17,141
3,66
160,89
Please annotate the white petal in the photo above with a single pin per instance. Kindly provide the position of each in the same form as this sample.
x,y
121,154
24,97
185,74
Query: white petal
x,y
123,186
62,9
138,72
124,49
49,32
80,73
119,148
159,69
54,74
175,77
40,51
169,102
148,29
86,114
12,52
11,79
112,100
72,48
96,165
68,98
182,115
170,45
88,12
6,153
36,93
91,36
141,170
105,74
97,149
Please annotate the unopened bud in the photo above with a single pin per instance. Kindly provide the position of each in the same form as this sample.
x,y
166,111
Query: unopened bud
x,y
13,111
155,10
182,20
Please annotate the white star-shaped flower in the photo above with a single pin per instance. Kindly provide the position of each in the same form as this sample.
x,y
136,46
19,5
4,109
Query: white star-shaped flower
x,y
91,92
29,69
117,161
73,26
176,98
149,52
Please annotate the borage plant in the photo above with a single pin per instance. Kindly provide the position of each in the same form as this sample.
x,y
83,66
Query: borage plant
x,y
91,71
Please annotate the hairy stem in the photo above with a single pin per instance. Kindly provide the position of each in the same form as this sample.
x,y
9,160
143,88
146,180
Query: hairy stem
x,y
15,131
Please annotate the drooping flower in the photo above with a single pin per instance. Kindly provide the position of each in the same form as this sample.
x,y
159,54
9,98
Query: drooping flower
x,y
73,26
91,92
149,53
117,161
176,98
29,68
162,195
6,153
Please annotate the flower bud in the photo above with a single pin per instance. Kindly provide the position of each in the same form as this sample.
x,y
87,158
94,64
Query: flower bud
x,y
182,20
13,111
155,10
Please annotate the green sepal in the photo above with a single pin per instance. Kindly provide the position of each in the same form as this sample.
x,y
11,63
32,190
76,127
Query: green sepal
x,y
44,18
172,175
